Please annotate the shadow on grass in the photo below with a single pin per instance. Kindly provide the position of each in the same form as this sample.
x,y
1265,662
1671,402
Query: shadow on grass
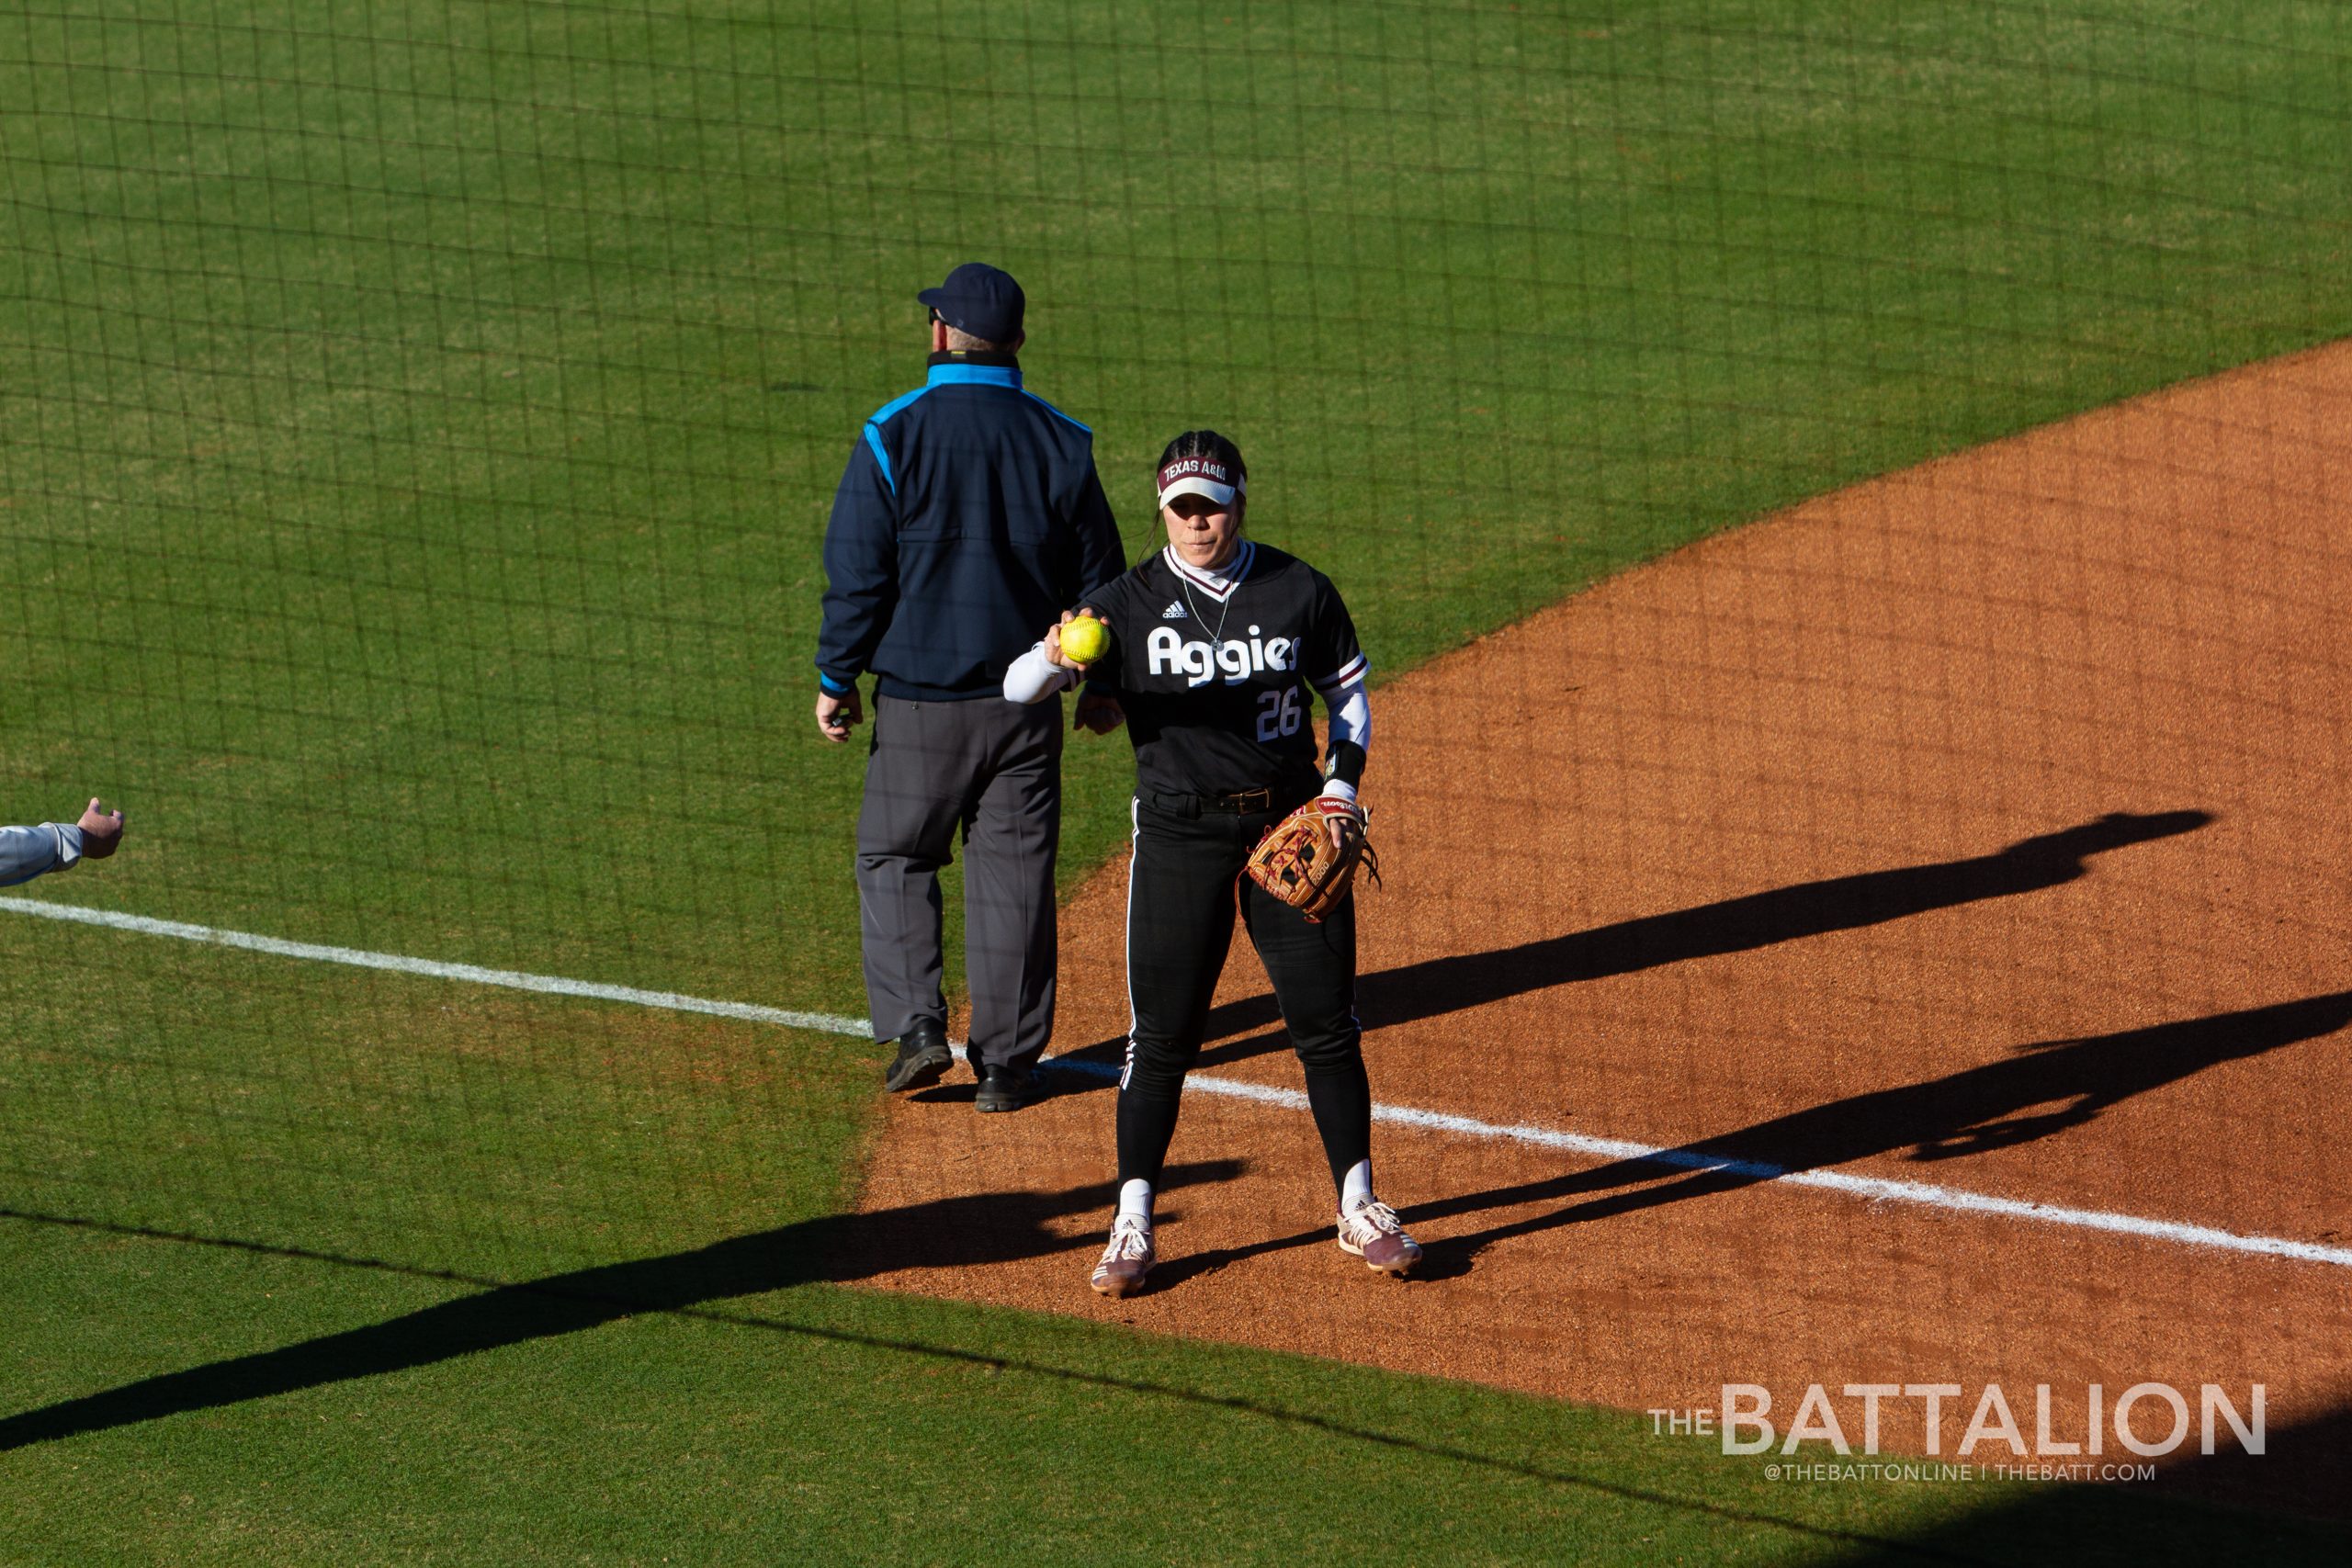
x,y
977,1229
2074,1525
2308,1469
688,1284
1415,991
2200,1511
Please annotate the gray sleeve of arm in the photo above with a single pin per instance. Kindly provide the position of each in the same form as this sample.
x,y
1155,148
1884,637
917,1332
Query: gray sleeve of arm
x,y
27,853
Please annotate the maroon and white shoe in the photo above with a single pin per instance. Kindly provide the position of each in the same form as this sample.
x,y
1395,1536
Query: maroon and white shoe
x,y
1126,1260
1370,1231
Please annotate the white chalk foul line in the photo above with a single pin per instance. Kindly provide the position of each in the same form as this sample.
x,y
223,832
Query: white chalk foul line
x,y
1959,1200
513,979
1878,1188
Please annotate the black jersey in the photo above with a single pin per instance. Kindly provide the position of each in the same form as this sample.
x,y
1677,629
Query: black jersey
x,y
1218,684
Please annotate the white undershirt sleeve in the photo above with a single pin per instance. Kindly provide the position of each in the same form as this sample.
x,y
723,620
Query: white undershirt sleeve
x,y
1351,714
1350,711
1032,677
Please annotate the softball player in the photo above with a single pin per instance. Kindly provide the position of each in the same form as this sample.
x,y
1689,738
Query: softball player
x,y
1217,642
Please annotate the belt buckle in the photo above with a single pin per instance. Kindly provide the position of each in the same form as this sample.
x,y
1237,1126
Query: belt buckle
x,y
1246,801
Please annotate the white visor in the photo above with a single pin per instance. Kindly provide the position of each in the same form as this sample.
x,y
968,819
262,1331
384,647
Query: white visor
x,y
1196,484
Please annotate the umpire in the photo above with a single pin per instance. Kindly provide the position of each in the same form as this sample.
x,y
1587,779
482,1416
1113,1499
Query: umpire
x,y
969,514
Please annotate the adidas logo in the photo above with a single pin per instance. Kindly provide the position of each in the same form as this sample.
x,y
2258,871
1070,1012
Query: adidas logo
x,y
1175,612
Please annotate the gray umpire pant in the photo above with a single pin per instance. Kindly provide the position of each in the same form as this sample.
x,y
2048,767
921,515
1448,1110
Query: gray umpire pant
x,y
993,768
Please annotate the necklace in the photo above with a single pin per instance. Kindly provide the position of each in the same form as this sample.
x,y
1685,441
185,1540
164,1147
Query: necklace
x,y
1184,586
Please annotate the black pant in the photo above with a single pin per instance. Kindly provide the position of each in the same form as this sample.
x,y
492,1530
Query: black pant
x,y
1181,902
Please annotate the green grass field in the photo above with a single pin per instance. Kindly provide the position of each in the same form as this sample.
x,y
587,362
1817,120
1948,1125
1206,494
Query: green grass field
x,y
417,426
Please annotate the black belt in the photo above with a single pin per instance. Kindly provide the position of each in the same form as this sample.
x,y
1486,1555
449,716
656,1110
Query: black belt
x,y
1239,803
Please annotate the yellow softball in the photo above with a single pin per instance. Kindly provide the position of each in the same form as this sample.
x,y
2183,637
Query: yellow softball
x,y
1084,639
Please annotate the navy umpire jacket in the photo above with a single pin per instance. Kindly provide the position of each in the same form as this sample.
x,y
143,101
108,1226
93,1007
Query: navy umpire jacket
x,y
970,516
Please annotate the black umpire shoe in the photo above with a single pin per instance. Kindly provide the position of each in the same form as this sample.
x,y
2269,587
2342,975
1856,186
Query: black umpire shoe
x,y
922,1058
1004,1088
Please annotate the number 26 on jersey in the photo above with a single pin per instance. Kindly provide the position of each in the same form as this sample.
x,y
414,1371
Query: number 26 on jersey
x,y
1278,713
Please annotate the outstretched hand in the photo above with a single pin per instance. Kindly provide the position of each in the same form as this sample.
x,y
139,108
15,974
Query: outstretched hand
x,y
1054,654
101,831
1097,712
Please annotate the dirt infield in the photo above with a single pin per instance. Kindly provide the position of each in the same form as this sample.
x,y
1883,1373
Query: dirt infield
x,y
1982,826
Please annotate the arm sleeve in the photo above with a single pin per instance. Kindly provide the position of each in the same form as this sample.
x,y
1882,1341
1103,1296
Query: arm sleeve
x,y
1335,665
1344,758
1032,677
861,567
27,853
1351,716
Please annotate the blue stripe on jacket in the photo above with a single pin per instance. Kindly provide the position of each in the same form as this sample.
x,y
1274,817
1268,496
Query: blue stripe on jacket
x,y
967,520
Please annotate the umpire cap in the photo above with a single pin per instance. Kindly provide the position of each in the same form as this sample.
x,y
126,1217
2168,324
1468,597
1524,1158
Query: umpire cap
x,y
981,299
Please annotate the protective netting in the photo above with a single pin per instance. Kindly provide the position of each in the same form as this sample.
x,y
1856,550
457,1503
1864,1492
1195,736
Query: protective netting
x,y
418,424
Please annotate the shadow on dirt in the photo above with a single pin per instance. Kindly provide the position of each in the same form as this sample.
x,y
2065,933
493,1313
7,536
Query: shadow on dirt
x,y
1415,991
2040,1091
